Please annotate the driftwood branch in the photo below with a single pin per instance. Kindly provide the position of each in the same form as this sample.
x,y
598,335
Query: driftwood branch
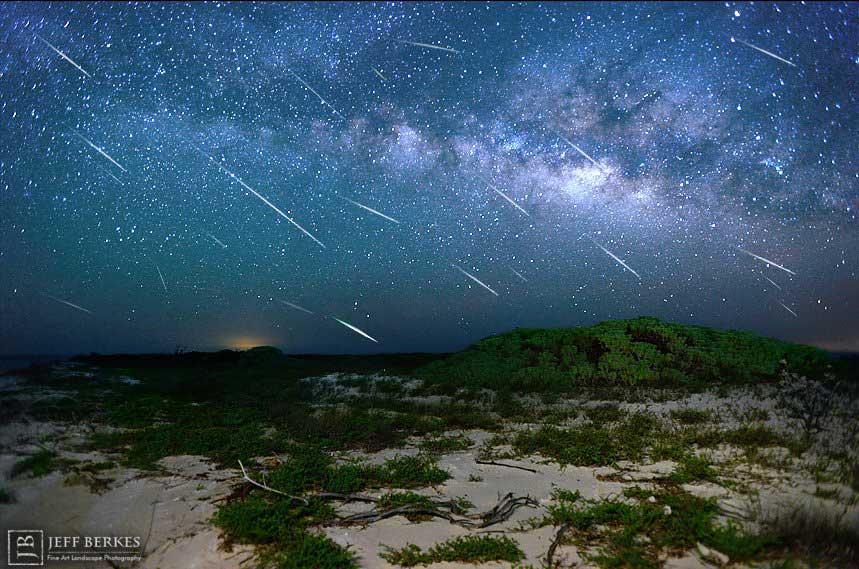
x,y
493,463
550,555
505,508
269,489
449,510
446,510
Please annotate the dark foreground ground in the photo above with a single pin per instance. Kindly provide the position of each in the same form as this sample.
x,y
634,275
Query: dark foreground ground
x,y
638,444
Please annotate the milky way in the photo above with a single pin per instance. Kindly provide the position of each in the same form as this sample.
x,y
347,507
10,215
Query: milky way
x,y
384,165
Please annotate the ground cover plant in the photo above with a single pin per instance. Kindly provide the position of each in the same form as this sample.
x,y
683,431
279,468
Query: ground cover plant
x,y
641,350
465,549
635,529
240,406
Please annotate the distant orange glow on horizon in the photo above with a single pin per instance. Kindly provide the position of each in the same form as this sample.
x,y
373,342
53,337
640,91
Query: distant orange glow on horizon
x,y
247,342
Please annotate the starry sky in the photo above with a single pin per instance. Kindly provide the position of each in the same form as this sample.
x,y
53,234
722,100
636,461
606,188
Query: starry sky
x,y
412,177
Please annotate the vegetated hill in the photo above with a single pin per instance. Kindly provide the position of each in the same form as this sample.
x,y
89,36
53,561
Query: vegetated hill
x,y
638,351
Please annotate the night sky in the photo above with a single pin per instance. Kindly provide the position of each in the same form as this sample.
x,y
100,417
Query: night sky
x,y
227,175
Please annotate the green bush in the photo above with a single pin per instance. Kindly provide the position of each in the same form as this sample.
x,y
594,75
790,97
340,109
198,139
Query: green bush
x,y
638,351
37,465
463,549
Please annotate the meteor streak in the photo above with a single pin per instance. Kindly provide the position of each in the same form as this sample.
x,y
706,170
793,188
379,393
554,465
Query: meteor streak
x,y
100,151
379,73
475,279
429,46
164,284
295,306
518,274
772,282
63,55
260,196
506,197
216,240
503,195
616,258
371,210
309,88
789,310
111,175
769,53
582,152
767,261
67,303
356,330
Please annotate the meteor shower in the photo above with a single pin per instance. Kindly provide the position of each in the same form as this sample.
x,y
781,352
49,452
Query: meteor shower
x,y
429,284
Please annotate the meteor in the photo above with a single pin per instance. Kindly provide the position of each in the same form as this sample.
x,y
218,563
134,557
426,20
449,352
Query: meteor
x,y
111,175
100,151
503,195
772,282
518,274
429,46
769,53
164,284
216,240
475,279
356,330
379,73
789,310
509,200
582,152
63,55
616,258
67,303
371,210
309,88
767,261
260,196
295,306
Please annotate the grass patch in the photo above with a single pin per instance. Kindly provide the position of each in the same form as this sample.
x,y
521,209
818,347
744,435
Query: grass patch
x,y
639,529
463,549
6,496
281,527
604,414
444,445
690,416
591,445
38,465
694,468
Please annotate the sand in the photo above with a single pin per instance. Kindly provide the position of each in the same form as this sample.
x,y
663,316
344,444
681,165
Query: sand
x,y
171,511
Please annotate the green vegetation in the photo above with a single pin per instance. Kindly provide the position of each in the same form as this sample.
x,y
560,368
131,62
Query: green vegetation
x,y
464,549
6,496
591,445
281,524
440,445
232,406
694,468
689,416
603,414
642,350
635,530
37,465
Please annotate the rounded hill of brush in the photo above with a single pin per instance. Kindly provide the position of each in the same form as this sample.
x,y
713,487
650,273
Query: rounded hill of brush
x,y
638,351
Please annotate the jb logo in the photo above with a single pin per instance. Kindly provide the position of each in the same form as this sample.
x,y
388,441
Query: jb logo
x,y
25,547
